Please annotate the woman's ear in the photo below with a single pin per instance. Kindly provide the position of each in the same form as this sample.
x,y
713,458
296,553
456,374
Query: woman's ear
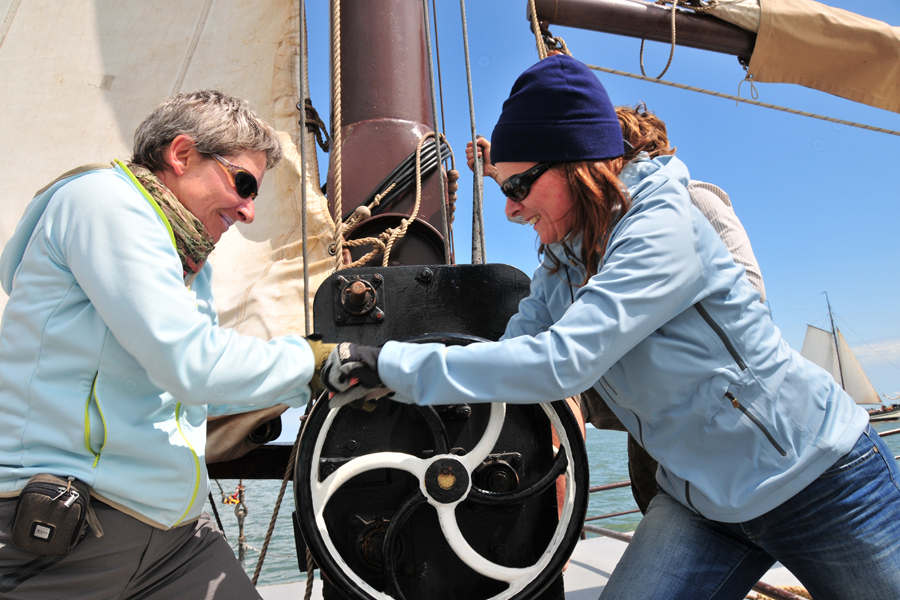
x,y
178,153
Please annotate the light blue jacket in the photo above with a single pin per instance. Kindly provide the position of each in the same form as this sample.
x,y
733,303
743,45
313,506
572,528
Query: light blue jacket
x,y
671,334
107,360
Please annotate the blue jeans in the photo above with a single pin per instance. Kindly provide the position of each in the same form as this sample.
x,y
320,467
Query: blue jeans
x,y
840,537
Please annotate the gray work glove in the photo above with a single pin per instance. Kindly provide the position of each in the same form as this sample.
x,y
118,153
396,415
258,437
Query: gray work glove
x,y
351,373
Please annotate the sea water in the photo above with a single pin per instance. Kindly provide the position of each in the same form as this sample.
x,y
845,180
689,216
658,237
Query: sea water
x,y
607,456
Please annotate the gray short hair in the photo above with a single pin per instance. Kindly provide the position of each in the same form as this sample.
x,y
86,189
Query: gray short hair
x,y
217,122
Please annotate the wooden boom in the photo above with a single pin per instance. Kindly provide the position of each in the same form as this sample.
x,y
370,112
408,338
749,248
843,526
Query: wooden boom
x,y
648,21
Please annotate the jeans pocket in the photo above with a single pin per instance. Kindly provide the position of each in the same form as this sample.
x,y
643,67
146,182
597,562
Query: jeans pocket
x,y
861,452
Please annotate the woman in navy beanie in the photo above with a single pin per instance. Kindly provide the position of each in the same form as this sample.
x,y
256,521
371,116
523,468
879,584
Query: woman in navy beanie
x,y
762,456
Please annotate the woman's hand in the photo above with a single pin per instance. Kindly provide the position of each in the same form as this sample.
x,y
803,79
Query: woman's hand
x,y
484,150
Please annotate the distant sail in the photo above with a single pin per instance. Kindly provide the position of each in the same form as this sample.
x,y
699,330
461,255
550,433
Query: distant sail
x,y
819,348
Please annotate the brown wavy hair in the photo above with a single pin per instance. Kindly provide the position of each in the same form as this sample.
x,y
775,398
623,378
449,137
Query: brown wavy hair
x,y
598,201
599,198
644,131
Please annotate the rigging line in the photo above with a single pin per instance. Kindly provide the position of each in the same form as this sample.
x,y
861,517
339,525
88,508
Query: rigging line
x,y
806,317
336,134
837,348
437,50
536,27
445,220
189,57
479,252
304,224
7,22
287,475
865,343
792,111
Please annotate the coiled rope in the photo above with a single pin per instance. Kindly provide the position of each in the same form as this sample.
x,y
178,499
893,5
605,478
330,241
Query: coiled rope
x,y
389,237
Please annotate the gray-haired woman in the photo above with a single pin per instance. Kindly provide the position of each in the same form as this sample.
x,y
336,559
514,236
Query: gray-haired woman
x,y
111,358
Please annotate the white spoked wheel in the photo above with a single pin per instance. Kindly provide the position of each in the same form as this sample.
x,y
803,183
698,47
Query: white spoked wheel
x,y
357,507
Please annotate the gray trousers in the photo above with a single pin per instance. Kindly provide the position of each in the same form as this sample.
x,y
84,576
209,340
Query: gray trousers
x,y
131,561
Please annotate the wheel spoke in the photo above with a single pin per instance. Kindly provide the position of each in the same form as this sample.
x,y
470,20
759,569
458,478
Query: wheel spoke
x,y
361,464
476,562
557,468
487,441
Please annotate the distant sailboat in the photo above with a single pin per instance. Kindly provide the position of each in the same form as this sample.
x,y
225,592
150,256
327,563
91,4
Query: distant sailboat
x,y
830,350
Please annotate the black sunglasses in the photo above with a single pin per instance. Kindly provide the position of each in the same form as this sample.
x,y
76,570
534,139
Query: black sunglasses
x,y
518,186
244,182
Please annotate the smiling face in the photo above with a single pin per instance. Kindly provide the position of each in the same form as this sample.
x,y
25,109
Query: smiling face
x,y
205,188
548,206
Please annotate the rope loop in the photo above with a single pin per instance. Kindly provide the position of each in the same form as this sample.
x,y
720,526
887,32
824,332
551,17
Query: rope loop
x,y
753,93
672,50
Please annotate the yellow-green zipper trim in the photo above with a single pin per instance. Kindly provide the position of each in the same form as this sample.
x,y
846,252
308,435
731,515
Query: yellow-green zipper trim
x,y
150,199
87,422
196,463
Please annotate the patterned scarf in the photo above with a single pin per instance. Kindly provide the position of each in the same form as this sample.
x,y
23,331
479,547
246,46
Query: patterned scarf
x,y
191,239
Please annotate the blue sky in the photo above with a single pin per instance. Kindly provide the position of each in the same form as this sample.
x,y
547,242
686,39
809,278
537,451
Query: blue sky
x,y
818,200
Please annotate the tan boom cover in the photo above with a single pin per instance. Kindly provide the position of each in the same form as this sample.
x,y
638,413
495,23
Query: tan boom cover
x,y
828,49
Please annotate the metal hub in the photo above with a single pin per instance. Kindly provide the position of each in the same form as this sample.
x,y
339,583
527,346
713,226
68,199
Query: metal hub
x,y
446,480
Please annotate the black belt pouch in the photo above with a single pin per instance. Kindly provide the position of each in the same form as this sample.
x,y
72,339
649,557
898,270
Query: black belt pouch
x,y
50,515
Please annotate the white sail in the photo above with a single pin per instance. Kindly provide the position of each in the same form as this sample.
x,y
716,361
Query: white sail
x,y
77,77
856,382
819,348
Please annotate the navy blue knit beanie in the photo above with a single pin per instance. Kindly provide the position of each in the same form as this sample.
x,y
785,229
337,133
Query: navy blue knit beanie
x,y
557,111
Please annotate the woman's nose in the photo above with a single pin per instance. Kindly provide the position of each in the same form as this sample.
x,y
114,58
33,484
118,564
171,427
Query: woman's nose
x,y
513,208
246,212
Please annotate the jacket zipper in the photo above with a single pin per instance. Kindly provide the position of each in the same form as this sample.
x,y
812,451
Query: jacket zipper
x,y
757,422
609,386
609,389
687,495
721,333
196,464
87,421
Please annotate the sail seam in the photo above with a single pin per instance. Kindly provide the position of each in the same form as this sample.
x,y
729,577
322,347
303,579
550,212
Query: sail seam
x,y
7,22
189,58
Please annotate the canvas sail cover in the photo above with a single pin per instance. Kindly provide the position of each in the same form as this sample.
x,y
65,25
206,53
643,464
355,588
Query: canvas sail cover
x,y
77,77
819,348
820,47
